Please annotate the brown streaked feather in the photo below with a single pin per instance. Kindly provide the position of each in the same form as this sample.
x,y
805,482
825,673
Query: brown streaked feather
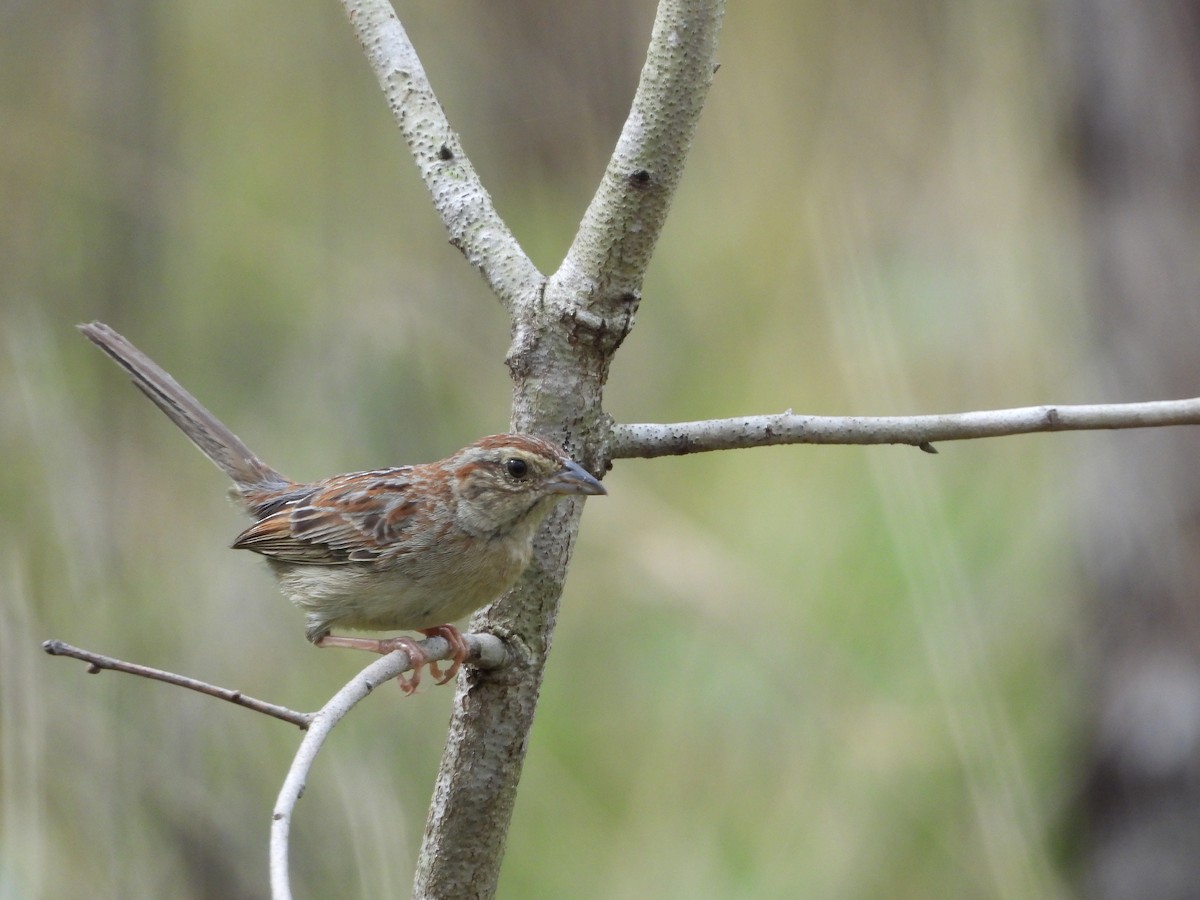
x,y
530,443
409,547
273,537
203,429
358,517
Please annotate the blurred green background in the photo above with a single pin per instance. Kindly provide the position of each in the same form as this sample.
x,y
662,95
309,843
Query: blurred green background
x,y
817,672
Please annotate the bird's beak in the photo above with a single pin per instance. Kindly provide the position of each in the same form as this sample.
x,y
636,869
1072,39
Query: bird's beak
x,y
572,478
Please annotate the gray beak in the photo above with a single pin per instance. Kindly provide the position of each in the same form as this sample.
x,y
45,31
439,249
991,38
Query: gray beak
x,y
572,478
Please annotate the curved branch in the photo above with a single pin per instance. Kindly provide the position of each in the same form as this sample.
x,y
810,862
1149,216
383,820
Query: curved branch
x,y
458,195
487,651
645,441
323,722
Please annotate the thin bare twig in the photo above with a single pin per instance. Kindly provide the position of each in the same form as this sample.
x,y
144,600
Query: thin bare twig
x,y
99,662
646,441
486,652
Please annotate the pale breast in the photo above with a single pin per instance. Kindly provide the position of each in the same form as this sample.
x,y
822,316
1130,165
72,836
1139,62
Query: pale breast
x,y
434,587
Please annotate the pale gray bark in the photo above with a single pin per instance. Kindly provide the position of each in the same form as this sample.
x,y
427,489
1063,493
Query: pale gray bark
x,y
458,195
646,441
565,330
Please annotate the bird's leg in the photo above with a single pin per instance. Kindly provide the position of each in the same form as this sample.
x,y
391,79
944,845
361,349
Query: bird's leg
x,y
458,646
416,656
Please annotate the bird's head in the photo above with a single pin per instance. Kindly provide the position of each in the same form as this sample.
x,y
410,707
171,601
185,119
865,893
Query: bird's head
x,y
507,483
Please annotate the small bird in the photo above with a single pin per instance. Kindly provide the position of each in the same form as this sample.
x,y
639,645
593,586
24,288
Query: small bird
x,y
409,548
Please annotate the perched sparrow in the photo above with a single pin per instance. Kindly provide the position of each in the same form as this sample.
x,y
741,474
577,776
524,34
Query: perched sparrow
x,y
414,547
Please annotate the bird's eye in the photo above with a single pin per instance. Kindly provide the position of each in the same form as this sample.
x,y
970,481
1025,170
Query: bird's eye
x,y
517,468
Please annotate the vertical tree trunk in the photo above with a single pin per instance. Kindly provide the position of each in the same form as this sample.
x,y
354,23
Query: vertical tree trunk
x,y
1136,72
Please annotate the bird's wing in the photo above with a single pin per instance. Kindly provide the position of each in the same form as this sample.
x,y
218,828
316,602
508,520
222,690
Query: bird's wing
x,y
358,517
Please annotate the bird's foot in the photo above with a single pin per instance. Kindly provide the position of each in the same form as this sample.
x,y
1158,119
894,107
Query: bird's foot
x,y
416,656
459,651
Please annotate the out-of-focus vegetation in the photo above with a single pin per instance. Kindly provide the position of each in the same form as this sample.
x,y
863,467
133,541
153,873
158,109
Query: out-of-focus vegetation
x,y
817,672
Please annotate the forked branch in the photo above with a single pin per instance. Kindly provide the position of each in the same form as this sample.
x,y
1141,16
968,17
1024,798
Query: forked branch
x,y
486,651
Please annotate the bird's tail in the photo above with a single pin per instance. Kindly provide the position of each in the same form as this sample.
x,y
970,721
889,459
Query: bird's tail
x,y
216,441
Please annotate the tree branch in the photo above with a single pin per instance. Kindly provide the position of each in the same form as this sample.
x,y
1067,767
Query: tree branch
x,y
646,441
563,341
612,249
597,288
322,723
99,662
486,652
458,195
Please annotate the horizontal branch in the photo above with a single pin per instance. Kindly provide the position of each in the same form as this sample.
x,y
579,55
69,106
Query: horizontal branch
x,y
646,441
